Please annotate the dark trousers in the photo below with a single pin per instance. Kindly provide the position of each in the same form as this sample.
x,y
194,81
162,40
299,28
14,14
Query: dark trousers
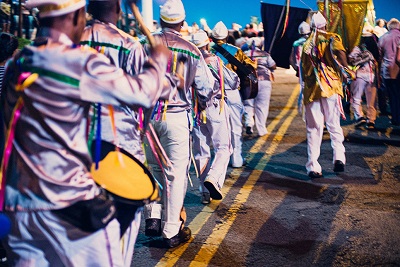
x,y
393,90
382,99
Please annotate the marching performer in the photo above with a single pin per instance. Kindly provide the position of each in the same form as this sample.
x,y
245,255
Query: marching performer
x,y
59,216
322,94
127,53
213,127
256,110
172,122
235,104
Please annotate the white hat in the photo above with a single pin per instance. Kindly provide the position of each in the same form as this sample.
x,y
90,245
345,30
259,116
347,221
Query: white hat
x,y
220,31
318,20
55,8
200,38
172,12
304,28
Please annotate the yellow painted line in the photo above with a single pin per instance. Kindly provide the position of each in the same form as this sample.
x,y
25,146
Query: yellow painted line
x,y
172,256
208,250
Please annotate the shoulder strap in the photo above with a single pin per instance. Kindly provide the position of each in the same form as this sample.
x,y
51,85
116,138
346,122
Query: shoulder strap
x,y
232,59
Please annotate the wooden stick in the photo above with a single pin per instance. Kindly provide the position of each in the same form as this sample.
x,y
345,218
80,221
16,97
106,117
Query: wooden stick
x,y
142,25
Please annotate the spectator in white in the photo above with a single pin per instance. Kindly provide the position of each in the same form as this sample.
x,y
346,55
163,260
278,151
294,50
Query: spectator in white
x,y
380,27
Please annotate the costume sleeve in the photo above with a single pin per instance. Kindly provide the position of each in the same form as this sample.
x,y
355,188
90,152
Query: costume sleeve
x,y
99,77
203,81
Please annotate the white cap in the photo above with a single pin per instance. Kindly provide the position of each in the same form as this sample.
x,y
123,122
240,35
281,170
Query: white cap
x,y
55,8
318,20
304,28
172,12
200,38
220,31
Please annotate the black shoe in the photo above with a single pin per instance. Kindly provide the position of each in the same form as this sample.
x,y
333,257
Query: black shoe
x,y
360,121
205,198
153,227
370,126
182,237
213,188
248,130
338,166
313,175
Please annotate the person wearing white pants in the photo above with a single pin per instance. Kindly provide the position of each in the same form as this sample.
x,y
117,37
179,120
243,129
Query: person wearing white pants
x,y
322,53
234,100
316,113
173,126
256,110
214,128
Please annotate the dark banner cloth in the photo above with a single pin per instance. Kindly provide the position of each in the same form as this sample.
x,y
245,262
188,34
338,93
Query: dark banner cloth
x,y
273,18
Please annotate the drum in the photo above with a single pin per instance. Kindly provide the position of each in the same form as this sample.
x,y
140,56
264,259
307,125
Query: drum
x,y
123,176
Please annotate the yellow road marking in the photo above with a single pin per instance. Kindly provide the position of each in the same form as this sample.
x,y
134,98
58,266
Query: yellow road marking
x,y
172,256
219,232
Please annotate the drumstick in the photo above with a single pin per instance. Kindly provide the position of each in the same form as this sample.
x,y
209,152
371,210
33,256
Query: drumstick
x,y
142,25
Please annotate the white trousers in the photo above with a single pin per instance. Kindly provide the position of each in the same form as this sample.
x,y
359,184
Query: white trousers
x,y
174,134
358,88
316,113
257,109
216,132
42,239
236,111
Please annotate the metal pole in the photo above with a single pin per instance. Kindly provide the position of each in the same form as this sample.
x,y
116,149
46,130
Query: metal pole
x,y
20,22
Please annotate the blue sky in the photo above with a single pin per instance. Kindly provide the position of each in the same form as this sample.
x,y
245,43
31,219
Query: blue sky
x,y
230,11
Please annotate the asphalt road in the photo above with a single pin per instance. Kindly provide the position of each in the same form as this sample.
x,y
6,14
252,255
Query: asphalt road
x,y
272,214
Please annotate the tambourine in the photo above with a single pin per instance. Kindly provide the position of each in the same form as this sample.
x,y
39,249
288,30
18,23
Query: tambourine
x,y
124,176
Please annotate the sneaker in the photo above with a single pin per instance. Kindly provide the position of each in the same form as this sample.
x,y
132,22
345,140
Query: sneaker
x,y
313,174
213,188
360,121
153,227
370,126
205,198
249,130
182,237
338,166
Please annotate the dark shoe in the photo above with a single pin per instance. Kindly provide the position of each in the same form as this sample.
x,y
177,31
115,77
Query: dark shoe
x,y
248,130
205,198
182,237
360,122
153,227
338,166
213,188
371,126
313,175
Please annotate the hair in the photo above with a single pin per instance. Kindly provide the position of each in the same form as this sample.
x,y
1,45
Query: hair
x,y
100,9
236,34
393,24
231,40
379,20
8,45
